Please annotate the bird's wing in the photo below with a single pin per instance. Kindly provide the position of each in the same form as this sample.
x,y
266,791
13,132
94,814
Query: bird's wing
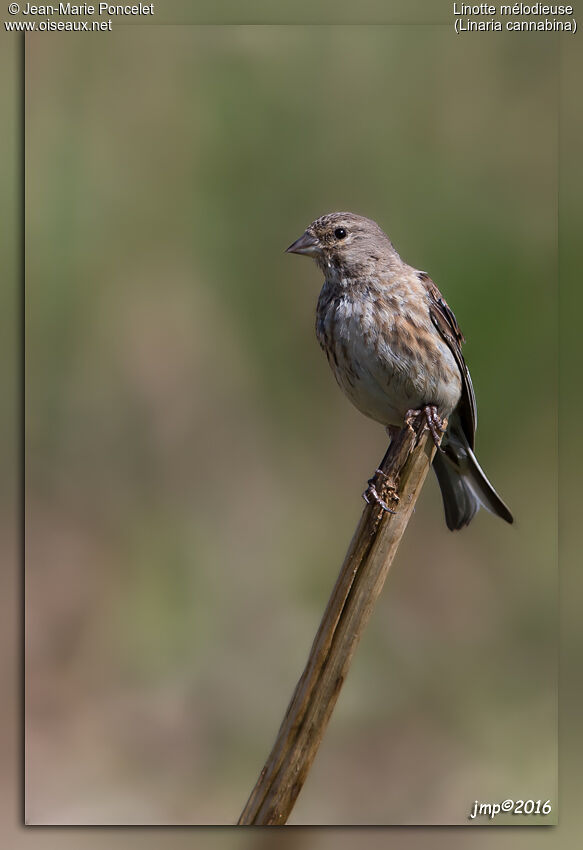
x,y
446,323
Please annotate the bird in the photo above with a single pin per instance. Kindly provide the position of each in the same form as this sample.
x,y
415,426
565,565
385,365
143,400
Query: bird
x,y
395,349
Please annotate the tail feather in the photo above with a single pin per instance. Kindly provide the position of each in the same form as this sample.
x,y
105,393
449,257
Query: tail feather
x,y
464,485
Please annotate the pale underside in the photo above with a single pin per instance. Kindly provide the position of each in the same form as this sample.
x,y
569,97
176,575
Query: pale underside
x,y
380,376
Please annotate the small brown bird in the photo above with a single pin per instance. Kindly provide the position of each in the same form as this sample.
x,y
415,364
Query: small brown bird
x,y
395,347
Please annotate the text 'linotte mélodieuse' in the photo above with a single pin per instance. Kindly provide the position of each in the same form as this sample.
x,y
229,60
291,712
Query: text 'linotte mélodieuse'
x,y
543,17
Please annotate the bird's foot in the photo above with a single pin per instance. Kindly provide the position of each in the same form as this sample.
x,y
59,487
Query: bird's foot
x,y
371,495
433,421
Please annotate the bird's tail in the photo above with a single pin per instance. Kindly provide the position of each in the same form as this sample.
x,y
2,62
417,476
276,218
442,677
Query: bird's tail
x,y
463,483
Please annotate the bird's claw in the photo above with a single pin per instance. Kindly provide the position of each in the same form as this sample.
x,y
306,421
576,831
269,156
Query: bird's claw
x,y
371,495
433,421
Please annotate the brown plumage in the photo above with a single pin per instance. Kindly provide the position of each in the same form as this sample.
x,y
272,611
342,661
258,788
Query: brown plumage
x,y
394,345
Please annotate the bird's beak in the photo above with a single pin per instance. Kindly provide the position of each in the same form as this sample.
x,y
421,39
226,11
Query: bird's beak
x,y
306,244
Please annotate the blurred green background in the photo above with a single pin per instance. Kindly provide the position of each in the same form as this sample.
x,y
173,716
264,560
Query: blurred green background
x,y
193,472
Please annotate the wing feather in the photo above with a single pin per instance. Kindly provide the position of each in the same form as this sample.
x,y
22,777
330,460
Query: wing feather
x,y
446,323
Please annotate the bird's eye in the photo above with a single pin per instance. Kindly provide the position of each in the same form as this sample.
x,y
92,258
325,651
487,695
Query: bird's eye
x,y
339,233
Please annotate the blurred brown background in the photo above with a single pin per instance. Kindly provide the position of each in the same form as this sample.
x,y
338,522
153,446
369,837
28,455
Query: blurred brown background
x,y
193,472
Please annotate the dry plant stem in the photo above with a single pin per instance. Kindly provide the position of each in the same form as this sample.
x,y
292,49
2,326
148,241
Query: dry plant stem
x,y
372,549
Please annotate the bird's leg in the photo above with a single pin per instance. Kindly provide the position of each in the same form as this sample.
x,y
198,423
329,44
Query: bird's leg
x,y
371,494
382,486
433,420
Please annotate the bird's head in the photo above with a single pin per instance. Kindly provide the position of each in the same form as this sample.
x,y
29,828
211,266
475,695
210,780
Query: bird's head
x,y
344,242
